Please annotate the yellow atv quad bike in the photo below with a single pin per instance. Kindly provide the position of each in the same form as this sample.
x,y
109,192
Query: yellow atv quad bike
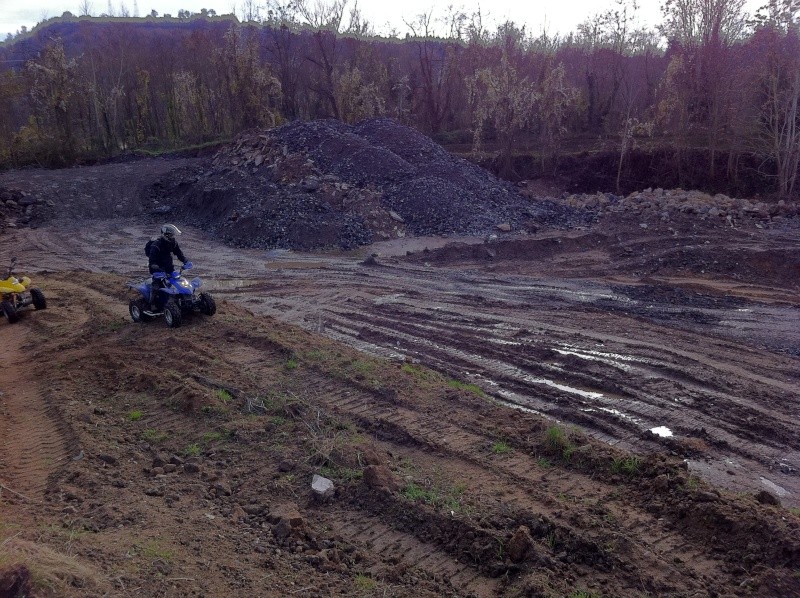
x,y
16,293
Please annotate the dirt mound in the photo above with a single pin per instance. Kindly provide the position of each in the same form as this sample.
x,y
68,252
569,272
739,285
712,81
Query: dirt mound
x,y
679,205
319,184
17,207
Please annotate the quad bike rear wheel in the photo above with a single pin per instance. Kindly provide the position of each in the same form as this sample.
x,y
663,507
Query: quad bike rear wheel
x,y
9,311
173,315
207,304
137,308
39,302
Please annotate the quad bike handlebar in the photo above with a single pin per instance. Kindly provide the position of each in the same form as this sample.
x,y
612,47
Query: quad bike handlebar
x,y
11,267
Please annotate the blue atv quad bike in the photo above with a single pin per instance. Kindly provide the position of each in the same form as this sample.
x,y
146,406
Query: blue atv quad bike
x,y
175,298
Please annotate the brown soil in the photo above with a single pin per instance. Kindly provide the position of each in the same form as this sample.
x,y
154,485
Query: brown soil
x,y
483,408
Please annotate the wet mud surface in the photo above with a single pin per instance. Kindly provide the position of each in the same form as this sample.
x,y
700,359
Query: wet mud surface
x,y
425,376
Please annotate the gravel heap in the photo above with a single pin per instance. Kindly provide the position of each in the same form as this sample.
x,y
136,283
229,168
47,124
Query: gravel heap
x,y
669,204
17,207
308,185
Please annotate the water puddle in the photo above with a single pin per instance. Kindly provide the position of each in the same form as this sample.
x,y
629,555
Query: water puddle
x,y
773,487
609,410
394,298
612,359
662,431
501,341
588,394
513,401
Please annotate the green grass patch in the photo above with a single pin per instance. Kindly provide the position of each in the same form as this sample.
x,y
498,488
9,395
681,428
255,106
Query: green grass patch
x,y
154,436
343,474
551,540
419,373
557,442
224,396
217,436
135,415
409,369
446,498
192,450
364,583
210,437
626,465
501,448
473,388
693,483
273,403
555,438
291,364
362,367
153,550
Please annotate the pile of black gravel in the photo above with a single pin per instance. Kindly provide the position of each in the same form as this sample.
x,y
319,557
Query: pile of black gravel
x,y
308,185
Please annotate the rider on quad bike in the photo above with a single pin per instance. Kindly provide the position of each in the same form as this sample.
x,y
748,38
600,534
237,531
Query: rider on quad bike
x,y
159,252
16,293
169,294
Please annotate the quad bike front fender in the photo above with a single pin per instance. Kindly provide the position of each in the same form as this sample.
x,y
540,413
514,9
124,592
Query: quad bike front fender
x,y
142,287
8,287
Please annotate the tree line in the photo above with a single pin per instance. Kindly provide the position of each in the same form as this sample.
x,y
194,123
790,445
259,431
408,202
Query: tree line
x,y
709,82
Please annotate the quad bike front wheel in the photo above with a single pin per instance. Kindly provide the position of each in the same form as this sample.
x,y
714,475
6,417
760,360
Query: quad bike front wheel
x,y
173,315
9,311
207,304
137,308
39,302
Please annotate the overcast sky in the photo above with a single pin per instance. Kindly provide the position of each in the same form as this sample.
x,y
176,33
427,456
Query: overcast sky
x,y
556,16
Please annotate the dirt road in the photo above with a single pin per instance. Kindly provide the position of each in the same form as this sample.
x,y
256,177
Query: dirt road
x,y
544,414
701,368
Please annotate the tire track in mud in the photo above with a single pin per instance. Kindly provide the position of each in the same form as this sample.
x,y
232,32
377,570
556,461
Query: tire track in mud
x,y
395,546
516,370
35,442
531,493
712,387
740,406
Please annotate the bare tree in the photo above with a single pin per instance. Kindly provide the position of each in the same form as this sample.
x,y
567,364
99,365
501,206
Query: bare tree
x,y
357,24
780,15
322,14
779,117
436,75
705,30
85,8
698,22
251,11
502,102
52,90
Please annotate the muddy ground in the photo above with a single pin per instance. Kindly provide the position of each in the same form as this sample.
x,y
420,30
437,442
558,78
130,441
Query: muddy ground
x,y
604,411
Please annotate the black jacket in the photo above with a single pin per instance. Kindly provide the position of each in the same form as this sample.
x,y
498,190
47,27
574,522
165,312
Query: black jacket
x,y
160,255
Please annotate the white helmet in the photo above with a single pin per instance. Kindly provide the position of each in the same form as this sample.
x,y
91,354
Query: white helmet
x,y
169,232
